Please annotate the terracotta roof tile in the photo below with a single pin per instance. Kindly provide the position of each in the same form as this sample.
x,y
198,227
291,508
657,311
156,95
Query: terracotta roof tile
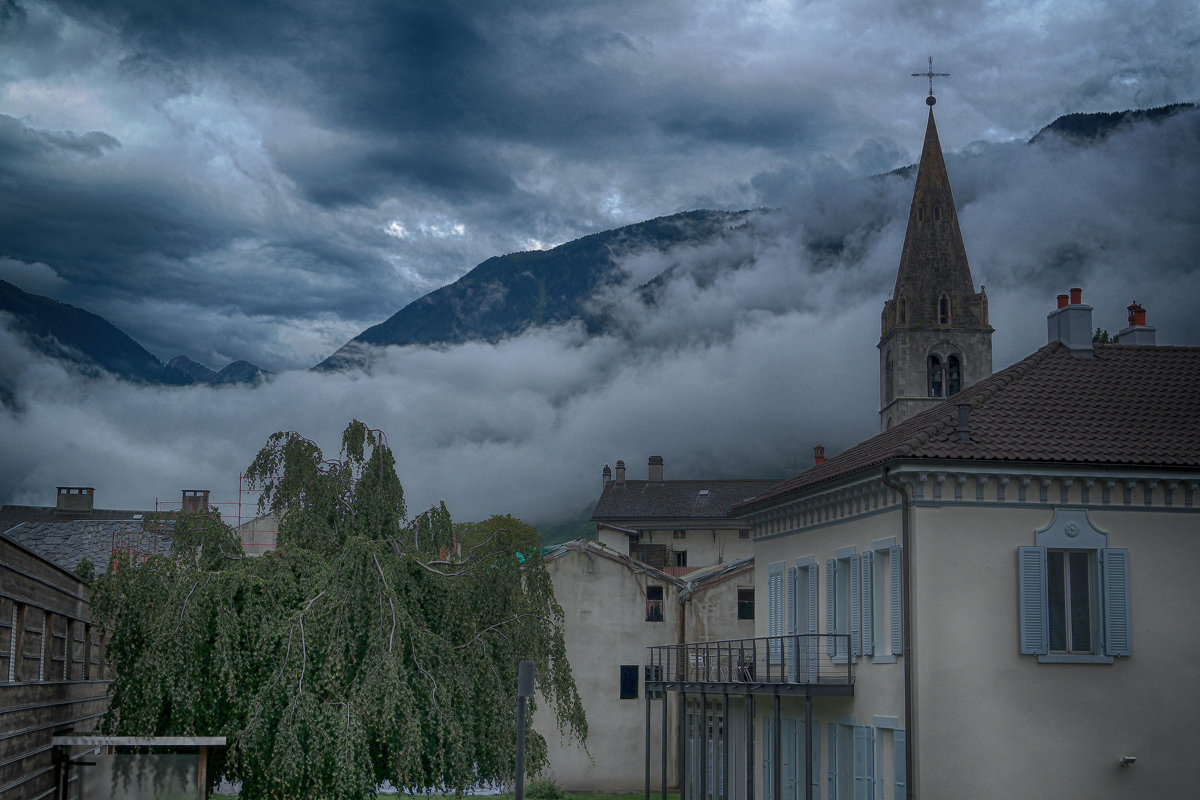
x,y
1129,405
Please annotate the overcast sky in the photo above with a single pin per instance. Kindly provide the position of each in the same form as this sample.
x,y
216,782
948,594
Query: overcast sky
x,y
264,180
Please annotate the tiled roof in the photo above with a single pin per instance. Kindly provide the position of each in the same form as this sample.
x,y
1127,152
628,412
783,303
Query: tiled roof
x,y
674,500
66,543
10,515
1127,406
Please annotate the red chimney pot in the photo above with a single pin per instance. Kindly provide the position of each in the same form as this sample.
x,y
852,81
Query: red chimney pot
x,y
1137,315
1076,296
818,454
1062,301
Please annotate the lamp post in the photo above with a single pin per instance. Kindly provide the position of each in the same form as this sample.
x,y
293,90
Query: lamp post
x,y
524,691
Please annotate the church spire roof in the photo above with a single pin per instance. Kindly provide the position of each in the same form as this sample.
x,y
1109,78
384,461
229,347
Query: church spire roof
x,y
935,339
933,263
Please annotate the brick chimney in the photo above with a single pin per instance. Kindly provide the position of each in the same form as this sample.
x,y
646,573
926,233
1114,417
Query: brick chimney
x,y
620,481
194,500
1071,323
818,455
1138,331
655,472
75,499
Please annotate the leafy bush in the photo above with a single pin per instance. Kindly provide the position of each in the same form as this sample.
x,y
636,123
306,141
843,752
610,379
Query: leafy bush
x,y
544,789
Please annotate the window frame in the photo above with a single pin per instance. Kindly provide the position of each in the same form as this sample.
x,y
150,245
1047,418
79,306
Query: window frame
x,y
655,606
745,608
1071,530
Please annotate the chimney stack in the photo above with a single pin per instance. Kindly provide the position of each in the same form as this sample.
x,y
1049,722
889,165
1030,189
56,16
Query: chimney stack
x,y
75,499
605,477
620,481
656,469
1071,324
1138,331
818,455
964,423
195,500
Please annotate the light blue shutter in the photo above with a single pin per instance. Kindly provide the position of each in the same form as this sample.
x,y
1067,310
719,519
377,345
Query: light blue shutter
x,y
1031,569
775,610
899,762
894,597
768,756
789,758
830,610
812,648
813,572
832,735
868,601
816,759
792,622
1114,564
864,762
855,607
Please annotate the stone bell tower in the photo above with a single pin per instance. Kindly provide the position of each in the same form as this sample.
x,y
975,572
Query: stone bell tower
x,y
934,334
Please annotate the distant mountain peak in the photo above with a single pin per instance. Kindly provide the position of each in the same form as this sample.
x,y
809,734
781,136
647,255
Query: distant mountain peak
x,y
1091,127
506,295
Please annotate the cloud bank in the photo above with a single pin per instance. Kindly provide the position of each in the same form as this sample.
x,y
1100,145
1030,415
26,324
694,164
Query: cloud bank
x,y
731,372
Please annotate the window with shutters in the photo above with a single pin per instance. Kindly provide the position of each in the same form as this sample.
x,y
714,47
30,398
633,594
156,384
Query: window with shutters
x,y
843,607
881,601
1073,593
775,610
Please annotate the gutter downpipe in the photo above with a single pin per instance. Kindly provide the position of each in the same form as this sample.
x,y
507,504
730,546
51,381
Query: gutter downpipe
x,y
905,627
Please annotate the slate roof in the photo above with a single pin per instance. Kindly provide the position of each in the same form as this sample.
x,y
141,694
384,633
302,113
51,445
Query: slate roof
x,y
1129,406
66,543
669,501
10,515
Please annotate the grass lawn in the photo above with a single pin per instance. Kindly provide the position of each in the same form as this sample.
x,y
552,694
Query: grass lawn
x,y
569,796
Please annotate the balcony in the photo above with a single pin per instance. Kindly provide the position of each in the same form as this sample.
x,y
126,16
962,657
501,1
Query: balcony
x,y
799,664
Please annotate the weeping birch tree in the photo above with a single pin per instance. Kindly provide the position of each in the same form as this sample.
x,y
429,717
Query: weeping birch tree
x,y
368,646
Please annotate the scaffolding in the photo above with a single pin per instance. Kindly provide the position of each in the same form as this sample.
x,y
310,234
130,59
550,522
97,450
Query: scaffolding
x,y
257,532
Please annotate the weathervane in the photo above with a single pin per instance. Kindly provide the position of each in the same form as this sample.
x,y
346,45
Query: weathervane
x,y
931,75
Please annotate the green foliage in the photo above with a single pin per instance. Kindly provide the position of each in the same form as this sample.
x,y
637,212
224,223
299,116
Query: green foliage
x,y
85,570
544,789
367,647
1102,337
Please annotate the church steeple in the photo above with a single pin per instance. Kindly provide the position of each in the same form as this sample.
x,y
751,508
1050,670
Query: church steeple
x,y
934,333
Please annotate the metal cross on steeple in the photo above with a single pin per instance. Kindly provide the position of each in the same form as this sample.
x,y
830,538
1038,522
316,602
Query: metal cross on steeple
x,y
931,75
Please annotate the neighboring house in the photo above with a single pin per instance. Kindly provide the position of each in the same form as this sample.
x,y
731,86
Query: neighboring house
x,y
53,676
670,524
990,598
668,564
614,608
73,529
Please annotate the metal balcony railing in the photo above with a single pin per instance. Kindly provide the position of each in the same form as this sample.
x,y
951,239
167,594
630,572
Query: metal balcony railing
x,y
805,659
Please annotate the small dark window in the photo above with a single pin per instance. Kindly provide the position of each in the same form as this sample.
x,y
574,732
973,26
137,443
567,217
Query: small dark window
x,y
935,376
629,681
654,604
953,376
937,212
679,533
743,534
889,383
745,602
681,558
903,311
943,310
920,214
